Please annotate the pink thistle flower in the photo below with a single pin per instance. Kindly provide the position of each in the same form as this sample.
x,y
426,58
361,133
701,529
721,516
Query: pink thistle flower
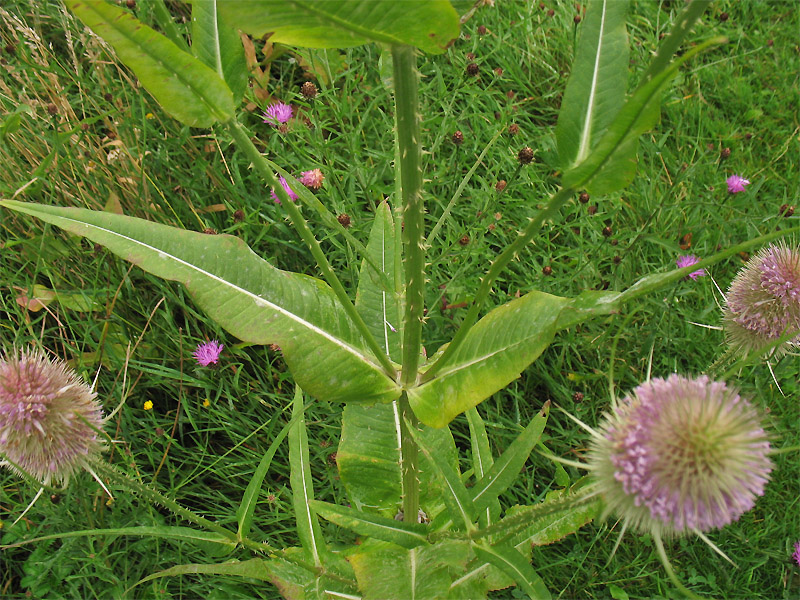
x,y
736,184
688,261
796,555
312,179
763,301
679,455
208,353
289,191
48,418
277,113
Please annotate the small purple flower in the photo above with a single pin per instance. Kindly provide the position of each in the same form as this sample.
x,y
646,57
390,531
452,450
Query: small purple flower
x,y
312,179
688,261
208,353
796,555
277,113
736,184
292,195
679,455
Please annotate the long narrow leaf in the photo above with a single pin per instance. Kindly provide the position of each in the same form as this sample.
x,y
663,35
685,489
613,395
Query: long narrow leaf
x,y
596,88
516,566
219,46
186,88
455,495
407,535
247,507
308,529
184,534
482,461
246,295
506,469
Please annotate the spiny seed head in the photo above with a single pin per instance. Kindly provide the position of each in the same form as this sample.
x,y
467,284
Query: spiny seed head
x,y
309,90
525,156
763,301
48,417
680,454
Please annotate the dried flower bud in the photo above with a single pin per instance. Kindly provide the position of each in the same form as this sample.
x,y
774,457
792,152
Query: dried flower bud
x,y
482,29
577,397
309,90
210,231
108,97
525,156
617,259
551,12
464,240
584,198
238,216
472,69
458,138
607,231
513,129
498,71
470,56
786,210
130,4
576,19
510,94
592,209
725,153
500,185
344,220
52,109
547,270
723,17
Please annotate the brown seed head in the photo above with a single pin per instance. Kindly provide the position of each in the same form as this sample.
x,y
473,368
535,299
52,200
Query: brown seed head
x,y
10,48
510,94
592,209
464,240
513,129
108,97
547,270
238,216
498,71
786,210
482,29
617,259
500,185
577,397
551,12
576,19
584,197
130,4
472,69
309,90
210,231
458,138
52,109
723,17
725,153
344,220
525,156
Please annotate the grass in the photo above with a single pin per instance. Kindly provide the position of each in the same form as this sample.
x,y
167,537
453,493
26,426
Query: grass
x,y
109,145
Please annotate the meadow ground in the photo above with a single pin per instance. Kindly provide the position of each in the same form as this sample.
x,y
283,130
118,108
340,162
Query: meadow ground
x,y
76,130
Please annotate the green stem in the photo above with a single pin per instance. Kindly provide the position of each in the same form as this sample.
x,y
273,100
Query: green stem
x,y
409,154
511,251
409,458
244,142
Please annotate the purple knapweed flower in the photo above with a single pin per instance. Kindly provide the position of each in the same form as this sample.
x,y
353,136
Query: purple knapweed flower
x,y
292,195
208,353
48,418
679,455
763,301
312,179
736,184
688,261
796,555
277,113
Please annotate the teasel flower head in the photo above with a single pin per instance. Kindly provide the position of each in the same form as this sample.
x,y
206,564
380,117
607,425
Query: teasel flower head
x,y
49,418
763,302
680,455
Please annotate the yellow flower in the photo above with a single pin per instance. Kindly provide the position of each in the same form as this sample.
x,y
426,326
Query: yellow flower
x,y
206,402
149,116
148,405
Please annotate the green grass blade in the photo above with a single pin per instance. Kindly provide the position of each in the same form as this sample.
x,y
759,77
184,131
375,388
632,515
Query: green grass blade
x,y
455,495
244,294
185,87
494,353
406,535
184,534
308,529
430,25
506,469
219,46
596,87
516,566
